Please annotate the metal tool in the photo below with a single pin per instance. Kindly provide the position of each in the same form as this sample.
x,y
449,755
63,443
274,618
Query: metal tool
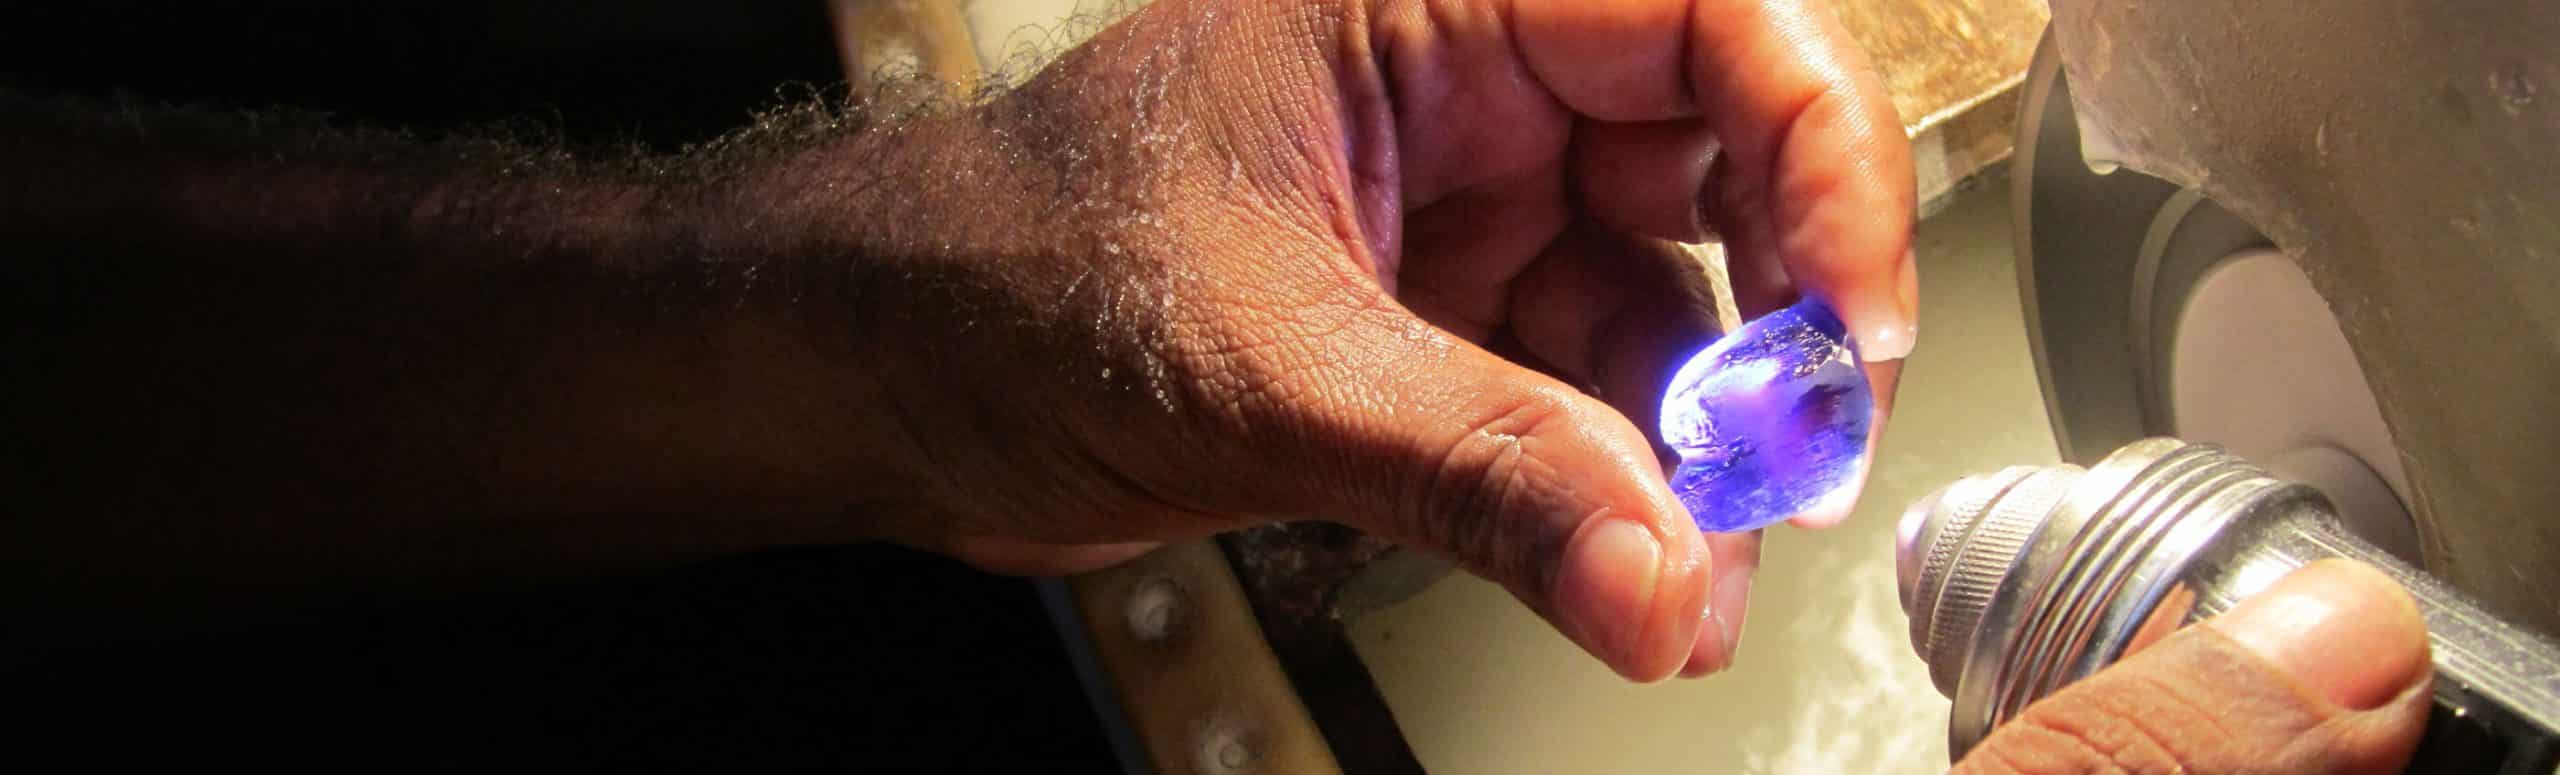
x,y
2020,582
2399,161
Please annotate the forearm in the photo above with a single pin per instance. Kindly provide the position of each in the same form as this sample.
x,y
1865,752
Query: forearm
x,y
252,354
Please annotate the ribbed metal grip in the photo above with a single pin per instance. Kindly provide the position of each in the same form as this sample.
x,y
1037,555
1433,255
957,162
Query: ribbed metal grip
x,y
2020,582
1980,525
1922,577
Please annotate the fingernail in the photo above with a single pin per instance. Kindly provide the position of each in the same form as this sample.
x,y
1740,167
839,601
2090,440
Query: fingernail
x,y
1720,631
1707,657
1885,328
1732,602
1605,590
2339,628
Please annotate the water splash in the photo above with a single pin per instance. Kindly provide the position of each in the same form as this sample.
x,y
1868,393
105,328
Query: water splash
x,y
1770,421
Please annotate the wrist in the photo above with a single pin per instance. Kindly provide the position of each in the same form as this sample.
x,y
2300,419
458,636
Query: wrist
x,y
688,336
840,254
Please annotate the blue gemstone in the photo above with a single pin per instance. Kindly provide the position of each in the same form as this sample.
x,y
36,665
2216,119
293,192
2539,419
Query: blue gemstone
x,y
1770,421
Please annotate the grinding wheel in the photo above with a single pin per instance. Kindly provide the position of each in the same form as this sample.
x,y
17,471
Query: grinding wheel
x,y
2209,252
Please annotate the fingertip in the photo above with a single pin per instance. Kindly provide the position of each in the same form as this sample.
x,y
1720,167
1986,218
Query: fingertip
x,y
1883,313
1610,594
2340,628
1692,564
1836,507
1907,291
1709,655
1883,378
1881,327
1562,500
1687,619
1832,510
1719,638
1680,612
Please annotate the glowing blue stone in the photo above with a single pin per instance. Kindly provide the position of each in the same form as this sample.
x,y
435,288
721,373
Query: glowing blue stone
x,y
1770,421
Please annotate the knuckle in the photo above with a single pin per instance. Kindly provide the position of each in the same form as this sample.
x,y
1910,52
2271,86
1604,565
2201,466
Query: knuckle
x,y
1481,496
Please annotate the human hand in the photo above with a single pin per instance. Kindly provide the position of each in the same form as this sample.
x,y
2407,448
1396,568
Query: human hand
x,y
2325,671
1399,264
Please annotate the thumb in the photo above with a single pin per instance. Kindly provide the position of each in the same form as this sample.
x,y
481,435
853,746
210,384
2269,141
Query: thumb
x,y
2325,671
1522,480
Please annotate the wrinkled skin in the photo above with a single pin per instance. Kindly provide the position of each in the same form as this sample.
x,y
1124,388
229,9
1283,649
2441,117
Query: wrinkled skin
x,y
1407,271
1397,264
2326,671
1402,265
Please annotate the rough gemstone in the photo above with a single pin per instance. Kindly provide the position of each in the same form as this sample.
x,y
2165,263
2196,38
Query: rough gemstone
x,y
1770,421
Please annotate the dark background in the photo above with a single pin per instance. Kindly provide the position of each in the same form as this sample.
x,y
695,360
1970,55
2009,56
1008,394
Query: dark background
x,y
657,71
822,658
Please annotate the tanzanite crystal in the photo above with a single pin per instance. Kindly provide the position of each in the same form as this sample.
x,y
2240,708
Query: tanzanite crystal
x,y
1770,421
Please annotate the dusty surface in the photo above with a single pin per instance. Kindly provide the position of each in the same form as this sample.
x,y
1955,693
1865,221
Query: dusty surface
x,y
1941,56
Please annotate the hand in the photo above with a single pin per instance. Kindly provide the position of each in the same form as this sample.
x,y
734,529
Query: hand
x,y
2326,671
1398,264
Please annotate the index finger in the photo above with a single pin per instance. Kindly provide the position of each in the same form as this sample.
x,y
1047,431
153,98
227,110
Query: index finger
x,y
1801,117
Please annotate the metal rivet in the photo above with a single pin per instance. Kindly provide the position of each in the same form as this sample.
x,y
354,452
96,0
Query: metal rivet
x,y
1220,746
1157,608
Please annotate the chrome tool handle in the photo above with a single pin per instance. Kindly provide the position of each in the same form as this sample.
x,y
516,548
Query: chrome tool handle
x,y
2497,687
2021,582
